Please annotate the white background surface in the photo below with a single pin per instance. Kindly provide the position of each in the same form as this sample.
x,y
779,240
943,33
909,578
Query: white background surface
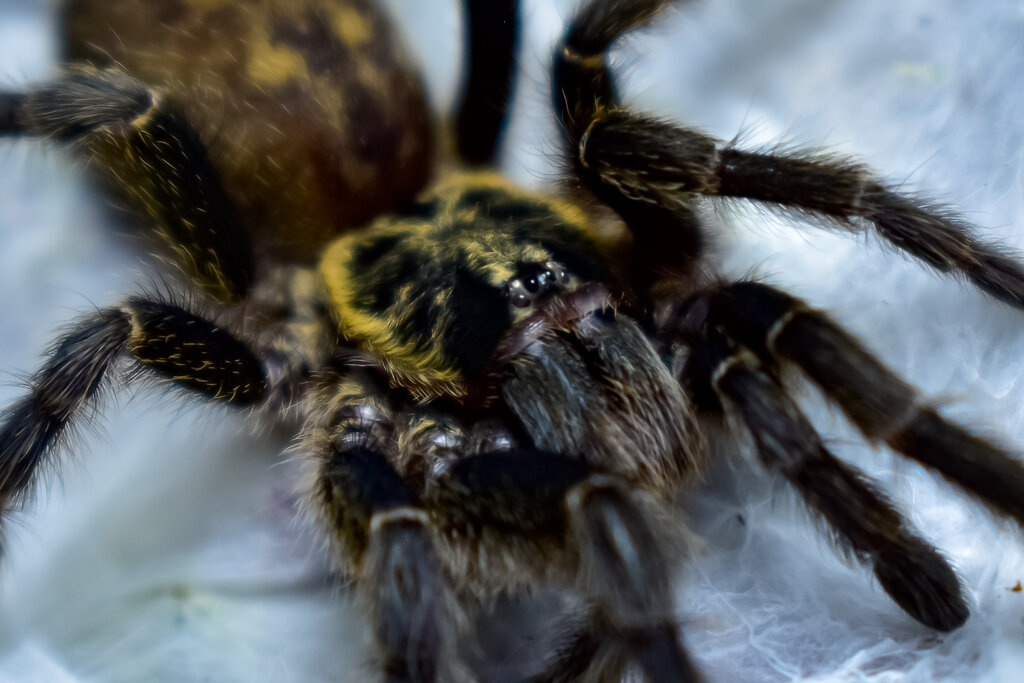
x,y
167,553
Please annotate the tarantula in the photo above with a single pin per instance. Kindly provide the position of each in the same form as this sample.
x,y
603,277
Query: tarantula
x,y
496,389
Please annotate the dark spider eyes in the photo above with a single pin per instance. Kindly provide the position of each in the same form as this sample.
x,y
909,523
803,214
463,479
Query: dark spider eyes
x,y
519,299
522,290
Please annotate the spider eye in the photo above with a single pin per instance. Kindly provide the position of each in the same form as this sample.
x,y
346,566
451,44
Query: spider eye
x,y
523,291
558,272
519,293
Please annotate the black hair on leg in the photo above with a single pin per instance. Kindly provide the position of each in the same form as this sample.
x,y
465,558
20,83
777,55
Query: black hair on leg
x,y
378,525
884,407
914,574
492,36
146,146
556,508
175,344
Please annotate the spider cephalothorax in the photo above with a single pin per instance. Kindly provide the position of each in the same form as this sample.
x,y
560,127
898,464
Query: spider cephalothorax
x,y
432,291
496,390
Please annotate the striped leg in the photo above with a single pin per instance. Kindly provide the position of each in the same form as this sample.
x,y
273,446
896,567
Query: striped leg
x,y
778,327
914,574
153,155
740,334
169,341
649,170
524,507
379,531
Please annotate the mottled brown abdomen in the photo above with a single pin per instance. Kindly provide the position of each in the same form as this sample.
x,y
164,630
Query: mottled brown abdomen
x,y
313,113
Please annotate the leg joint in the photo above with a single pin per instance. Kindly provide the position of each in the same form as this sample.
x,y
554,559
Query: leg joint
x,y
404,513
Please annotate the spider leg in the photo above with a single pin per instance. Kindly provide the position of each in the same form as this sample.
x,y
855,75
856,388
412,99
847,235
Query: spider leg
x,y
667,238
377,524
187,350
150,151
597,653
917,577
778,327
586,649
492,34
646,168
524,507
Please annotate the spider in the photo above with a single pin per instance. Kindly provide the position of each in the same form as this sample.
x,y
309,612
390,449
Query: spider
x,y
509,460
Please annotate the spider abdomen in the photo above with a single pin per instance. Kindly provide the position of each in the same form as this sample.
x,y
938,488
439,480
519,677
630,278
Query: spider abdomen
x,y
314,116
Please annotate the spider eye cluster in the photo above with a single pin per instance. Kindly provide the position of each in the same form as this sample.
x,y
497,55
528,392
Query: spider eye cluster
x,y
527,289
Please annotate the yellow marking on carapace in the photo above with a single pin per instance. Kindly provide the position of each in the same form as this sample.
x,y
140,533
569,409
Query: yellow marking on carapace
x,y
428,374
458,183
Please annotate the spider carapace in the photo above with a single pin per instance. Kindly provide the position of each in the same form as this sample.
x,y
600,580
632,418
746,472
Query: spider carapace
x,y
495,389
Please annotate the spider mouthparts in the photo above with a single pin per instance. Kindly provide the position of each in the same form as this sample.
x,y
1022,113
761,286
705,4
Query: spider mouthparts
x,y
586,381
559,313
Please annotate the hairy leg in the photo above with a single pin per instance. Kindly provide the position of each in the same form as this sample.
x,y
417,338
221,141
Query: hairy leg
x,y
864,521
147,148
649,170
553,515
378,529
492,37
173,343
781,328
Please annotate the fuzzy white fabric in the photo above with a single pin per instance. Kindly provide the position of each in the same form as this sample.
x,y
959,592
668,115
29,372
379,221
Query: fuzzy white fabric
x,y
166,550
